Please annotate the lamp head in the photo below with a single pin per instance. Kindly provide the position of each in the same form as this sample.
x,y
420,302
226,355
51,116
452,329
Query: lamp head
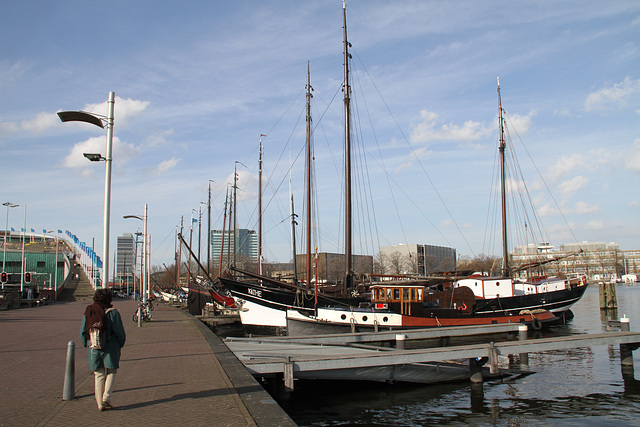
x,y
94,157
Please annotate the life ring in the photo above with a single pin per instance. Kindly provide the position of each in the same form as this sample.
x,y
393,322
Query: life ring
x,y
584,280
462,307
536,324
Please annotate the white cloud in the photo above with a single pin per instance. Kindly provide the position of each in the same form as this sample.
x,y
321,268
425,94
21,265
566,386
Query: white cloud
x,y
584,208
612,96
159,138
565,164
38,124
595,225
167,165
578,163
247,184
547,210
632,161
574,184
405,165
521,124
42,122
124,109
428,130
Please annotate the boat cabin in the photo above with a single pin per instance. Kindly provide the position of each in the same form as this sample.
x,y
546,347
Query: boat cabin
x,y
488,287
416,300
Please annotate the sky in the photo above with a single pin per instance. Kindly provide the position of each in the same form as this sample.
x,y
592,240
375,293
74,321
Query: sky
x,y
197,84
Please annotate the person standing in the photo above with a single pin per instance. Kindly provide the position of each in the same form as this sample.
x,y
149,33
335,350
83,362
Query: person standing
x,y
105,360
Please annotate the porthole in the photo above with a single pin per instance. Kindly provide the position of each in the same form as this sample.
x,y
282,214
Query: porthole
x,y
343,317
364,318
385,319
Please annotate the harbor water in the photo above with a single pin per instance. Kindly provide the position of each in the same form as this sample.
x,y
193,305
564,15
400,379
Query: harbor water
x,y
577,387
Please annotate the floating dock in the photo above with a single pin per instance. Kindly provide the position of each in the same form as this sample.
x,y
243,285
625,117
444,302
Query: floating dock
x,y
344,357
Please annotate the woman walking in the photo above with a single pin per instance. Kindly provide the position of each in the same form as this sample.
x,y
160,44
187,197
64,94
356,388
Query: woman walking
x,y
103,334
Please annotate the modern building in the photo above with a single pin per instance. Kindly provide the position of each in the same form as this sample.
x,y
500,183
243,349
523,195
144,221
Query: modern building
x,y
246,245
417,259
126,259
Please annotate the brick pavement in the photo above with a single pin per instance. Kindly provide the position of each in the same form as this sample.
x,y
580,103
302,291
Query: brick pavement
x,y
173,371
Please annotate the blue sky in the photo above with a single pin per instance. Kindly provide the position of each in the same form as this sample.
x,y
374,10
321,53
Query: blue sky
x,y
198,82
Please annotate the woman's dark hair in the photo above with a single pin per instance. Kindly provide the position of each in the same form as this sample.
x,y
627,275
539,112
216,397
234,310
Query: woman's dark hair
x,y
103,296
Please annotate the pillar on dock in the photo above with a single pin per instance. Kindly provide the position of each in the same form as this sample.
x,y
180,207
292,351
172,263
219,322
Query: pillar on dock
x,y
475,369
493,358
608,298
400,341
69,388
522,336
288,375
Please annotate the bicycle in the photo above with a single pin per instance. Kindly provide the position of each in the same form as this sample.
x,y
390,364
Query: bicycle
x,y
145,313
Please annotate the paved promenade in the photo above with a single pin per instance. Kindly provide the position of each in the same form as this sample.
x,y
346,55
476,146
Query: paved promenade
x,y
173,371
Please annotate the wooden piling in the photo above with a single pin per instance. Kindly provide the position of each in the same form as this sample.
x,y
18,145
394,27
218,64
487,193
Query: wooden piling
x,y
608,298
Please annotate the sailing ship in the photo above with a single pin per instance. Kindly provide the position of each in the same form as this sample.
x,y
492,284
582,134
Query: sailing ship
x,y
263,302
506,294
270,306
407,306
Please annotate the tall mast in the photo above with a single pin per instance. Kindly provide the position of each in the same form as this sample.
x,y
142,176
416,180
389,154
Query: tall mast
x,y
235,208
293,229
260,208
503,192
224,225
347,154
308,177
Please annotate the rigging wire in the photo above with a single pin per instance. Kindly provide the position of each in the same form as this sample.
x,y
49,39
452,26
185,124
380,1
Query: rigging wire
x,y
404,137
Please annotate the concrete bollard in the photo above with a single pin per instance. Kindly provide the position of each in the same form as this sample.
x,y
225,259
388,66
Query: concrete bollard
x,y
400,341
69,390
522,336
626,350
625,324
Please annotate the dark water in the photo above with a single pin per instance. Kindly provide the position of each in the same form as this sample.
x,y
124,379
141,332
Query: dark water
x,y
578,387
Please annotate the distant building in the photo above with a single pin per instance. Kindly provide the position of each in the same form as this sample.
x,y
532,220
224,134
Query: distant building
x,y
246,244
417,259
599,261
331,268
125,258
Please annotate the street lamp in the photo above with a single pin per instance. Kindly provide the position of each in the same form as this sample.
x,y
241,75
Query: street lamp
x,y
55,264
6,229
143,276
100,121
22,266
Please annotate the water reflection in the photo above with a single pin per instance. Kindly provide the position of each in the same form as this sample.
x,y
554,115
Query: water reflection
x,y
581,386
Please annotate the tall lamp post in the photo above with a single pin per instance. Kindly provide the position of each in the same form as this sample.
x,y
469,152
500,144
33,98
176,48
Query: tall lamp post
x,y
143,275
6,229
22,259
100,121
55,266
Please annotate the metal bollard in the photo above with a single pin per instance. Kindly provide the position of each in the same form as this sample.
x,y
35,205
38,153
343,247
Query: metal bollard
x,y
400,341
139,317
522,336
69,390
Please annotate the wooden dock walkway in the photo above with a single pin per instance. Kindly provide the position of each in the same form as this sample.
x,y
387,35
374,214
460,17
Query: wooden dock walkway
x,y
312,357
